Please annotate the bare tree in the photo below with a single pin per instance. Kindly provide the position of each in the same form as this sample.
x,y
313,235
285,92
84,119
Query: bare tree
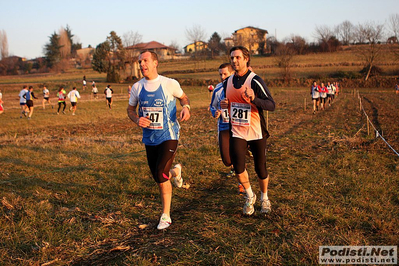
x,y
324,33
393,24
64,43
175,45
373,34
131,38
297,43
195,34
393,41
3,44
285,54
345,32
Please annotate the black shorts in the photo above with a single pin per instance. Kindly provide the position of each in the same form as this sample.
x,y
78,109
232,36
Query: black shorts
x,y
238,150
29,103
109,100
73,103
46,98
160,159
316,99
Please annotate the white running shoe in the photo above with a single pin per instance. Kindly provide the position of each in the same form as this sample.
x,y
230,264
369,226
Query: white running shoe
x,y
266,207
164,222
249,205
177,180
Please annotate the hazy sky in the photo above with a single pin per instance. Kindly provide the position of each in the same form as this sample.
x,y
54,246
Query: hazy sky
x,y
28,24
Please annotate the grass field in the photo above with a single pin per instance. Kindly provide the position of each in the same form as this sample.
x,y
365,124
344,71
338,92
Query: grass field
x,y
76,190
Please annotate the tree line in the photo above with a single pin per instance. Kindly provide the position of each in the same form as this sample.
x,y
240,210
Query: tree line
x,y
110,56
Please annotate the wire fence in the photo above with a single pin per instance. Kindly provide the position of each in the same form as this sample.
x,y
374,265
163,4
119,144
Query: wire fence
x,y
369,123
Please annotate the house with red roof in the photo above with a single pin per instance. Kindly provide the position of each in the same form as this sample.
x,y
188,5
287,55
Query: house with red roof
x,y
164,52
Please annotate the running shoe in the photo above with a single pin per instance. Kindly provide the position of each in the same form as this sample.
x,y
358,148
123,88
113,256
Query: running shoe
x,y
177,180
249,205
164,222
266,207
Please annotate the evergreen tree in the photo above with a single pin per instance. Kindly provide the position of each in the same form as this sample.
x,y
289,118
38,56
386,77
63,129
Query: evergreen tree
x,y
215,44
109,57
52,50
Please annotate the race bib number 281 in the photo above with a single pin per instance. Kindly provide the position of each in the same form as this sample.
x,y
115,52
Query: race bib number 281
x,y
240,114
155,114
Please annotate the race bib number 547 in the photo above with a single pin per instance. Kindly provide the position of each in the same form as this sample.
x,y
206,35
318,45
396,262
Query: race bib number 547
x,y
155,114
240,114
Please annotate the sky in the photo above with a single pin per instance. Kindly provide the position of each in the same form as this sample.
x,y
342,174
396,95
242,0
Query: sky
x,y
28,24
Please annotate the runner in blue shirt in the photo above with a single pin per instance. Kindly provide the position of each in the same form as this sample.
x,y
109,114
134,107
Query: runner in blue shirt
x,y
155,98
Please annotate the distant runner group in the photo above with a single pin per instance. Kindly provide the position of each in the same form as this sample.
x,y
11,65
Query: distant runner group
x,y
323,95
26,96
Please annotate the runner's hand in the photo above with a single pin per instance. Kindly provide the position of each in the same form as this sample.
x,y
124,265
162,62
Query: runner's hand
x,y
144,122
184,114
224,104
217,114
248,95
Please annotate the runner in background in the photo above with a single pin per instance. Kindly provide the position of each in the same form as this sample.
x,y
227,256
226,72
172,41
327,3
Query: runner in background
x,y
84,82
1,103
108,96
323,96
222,116
73,96
314,91
29,96
61,94
22,100
95,91
46,97
210,89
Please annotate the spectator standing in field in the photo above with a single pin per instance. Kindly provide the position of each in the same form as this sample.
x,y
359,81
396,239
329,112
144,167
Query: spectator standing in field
x,y
84,82
95,91
323,96
397,89
73,96
222,115
314,91
155,96
22,100
93,83
29,96
247,96
46,97
1,103
61,94
108,96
